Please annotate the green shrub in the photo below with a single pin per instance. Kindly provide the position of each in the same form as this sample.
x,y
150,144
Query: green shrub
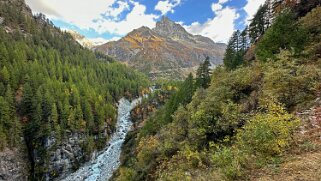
x,y
267,134
126,174
3,139
229,161
289,82
312,21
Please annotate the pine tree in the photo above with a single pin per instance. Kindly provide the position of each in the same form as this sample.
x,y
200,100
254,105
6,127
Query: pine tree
x,y
207,73
244,39
235,50
71,119
64,114
46,106
4,55
88,116
79,117
14,125
54,116
198,82
203,74
5,119
4,75
10,99
27,106
258,24
3,138
284,34
229,55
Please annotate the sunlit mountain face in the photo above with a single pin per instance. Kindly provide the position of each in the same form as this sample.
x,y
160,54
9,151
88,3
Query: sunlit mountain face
x,y
167,50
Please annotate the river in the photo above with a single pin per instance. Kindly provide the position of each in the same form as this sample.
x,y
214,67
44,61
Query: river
x,y
101,168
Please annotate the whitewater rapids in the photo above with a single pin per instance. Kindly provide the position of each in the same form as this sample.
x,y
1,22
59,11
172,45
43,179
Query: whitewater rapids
x,y
108,160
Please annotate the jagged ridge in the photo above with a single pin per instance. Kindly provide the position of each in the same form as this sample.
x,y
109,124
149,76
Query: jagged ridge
x,y
166,48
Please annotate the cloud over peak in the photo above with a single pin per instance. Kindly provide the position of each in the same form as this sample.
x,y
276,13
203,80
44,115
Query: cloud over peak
x,y
99,15
220,27
115,18
167,6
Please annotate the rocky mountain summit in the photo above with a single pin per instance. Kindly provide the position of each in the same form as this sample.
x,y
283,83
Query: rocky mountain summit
x,y
166,50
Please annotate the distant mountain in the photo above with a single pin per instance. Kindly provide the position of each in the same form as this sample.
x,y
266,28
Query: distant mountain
x,y
82,40
166,50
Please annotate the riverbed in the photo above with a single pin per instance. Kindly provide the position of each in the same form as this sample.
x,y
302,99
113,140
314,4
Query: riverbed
x,y
101,168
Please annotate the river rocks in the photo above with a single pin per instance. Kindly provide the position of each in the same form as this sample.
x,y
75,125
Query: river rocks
x,y
101,168
67,155
13,165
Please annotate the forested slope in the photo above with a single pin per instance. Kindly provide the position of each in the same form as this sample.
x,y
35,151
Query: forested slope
x,y
248,118
51,88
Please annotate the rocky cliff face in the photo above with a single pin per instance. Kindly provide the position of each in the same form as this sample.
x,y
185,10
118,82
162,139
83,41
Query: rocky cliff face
x,y
65,156
68,155
13,164
166,50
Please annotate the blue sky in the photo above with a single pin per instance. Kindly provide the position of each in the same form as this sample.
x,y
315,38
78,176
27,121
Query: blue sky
x,y
106,20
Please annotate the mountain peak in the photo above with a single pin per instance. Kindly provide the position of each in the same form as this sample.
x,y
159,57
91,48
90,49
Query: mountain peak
x,y
165,19
169,28
143,31
143,28
167,50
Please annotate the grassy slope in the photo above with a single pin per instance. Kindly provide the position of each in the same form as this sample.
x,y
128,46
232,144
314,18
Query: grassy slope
x,y
182,150
303,160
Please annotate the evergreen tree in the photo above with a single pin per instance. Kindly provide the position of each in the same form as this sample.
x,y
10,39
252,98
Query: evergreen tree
x,y
4,75
53,84
244,39
4,55
3,140
79,117
203,74
186,92
27,106
258,24
54,116
284,34
207,73
236,48
229,55
88,116
13,125
5,119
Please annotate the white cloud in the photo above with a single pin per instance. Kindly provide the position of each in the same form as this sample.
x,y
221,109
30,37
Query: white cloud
x,y
134,19
104,15
252,6
78,12
219,5
99,15
115,12
223,1
220,27
216,7
167,6
43,7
